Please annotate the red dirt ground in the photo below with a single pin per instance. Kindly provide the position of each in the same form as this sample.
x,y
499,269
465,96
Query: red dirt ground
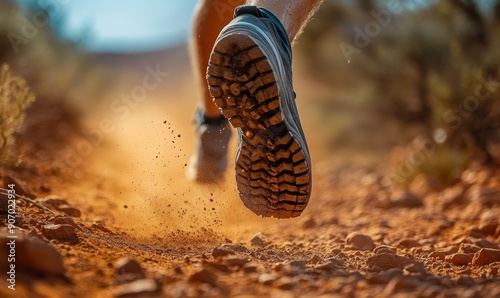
x,y
124,222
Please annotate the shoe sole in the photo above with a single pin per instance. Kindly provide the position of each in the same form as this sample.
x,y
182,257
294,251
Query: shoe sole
x,y
272,163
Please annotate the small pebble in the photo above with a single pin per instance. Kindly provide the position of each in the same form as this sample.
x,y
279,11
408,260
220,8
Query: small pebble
x,y
408,243
69,210
128,266
267,278
238,262
203,276
33,255
221,252
259,240
384,249
486,256
309,223
357,241
66,220
138,288
405,199
388,261
459,259
330,265
59,231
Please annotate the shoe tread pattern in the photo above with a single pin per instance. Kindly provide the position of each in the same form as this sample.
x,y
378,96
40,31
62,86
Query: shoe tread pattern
x,y
272,173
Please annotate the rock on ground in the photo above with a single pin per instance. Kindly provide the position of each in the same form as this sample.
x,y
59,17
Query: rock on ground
x,y
486,256
59,231
388,261
138,288
358,241
33,255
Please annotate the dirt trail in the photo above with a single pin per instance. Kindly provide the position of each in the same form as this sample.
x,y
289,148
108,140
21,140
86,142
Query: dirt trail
x,y
148,151
145,230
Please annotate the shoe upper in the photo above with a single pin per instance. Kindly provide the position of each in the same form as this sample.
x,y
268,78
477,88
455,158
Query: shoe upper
x,y
272,23
268,32
273,166
209,160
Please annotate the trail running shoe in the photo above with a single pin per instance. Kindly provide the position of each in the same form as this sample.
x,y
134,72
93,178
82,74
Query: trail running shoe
x,y
250,78
209,161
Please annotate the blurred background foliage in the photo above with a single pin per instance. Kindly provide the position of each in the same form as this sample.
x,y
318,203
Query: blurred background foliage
x,y
404,71
63,78
55,69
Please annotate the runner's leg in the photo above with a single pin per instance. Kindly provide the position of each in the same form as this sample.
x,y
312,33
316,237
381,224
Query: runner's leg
x,y
292,14
209,19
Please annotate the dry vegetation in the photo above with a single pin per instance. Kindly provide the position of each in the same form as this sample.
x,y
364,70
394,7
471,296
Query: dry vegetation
x,y
429,73
15,98
410,211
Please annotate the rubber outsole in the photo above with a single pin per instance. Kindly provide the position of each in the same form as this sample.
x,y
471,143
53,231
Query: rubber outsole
x,y
272,173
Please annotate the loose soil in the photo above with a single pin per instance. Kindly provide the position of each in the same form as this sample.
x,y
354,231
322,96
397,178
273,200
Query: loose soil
x,y
122,221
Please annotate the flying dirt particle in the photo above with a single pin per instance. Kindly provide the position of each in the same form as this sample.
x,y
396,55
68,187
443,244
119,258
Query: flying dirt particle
x,y
125,206
178,136
165,122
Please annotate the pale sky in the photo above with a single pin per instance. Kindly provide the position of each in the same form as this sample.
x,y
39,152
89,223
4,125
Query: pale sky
x,y
123,25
